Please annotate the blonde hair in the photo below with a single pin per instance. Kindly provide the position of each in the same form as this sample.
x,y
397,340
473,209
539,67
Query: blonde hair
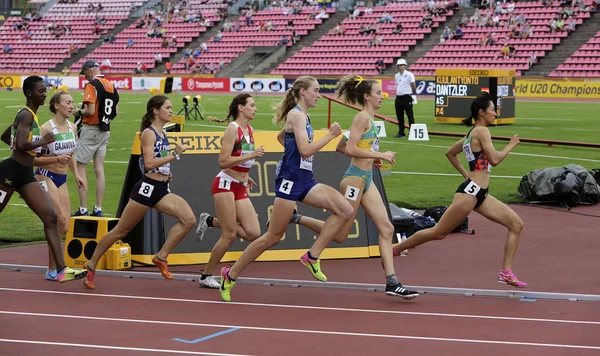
x,y
352,89
291,97
56,100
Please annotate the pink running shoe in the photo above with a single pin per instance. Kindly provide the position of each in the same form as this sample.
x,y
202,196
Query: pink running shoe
x,y
511,279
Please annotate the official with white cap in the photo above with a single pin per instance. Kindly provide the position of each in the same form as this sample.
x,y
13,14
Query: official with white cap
x,y
405,87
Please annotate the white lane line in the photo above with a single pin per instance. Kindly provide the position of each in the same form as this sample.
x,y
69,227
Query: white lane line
x,y
306,331
308,307
110,347
450,174
512,153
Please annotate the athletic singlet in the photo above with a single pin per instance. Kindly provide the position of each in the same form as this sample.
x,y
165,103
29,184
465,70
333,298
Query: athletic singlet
x,y
292,163
34,133
64,141
161,149
243,145
478,161
369,141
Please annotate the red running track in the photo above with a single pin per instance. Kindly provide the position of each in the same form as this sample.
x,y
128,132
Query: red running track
x,y
143,316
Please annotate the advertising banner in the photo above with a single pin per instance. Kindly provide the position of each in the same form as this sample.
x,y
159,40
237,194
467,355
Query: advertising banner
x,y
424,87
145,83
121,83
57,82
260,85
10,81
204,84
570,88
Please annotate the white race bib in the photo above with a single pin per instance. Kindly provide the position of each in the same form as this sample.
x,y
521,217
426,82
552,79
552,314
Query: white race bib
x,y
472,188
247,164
375,146
352,193
146,189
2,196
286,186
224,183
306,163
44,185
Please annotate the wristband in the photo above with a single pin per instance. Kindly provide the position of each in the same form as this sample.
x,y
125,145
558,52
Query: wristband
x,y
176,155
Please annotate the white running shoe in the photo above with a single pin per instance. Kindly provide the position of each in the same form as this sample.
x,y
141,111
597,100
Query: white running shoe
x,y
209,282
202,226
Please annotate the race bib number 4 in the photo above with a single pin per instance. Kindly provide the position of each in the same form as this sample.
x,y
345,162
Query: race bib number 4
x,y
146,189
286,186
472,188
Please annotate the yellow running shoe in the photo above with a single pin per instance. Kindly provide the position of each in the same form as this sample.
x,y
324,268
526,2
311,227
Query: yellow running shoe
x,y
226,285
314,267
70,274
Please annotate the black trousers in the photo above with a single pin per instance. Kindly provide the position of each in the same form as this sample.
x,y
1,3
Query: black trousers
x,y
404,103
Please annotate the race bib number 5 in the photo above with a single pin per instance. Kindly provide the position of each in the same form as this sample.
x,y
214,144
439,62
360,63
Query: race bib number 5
x,y
146,189
472,188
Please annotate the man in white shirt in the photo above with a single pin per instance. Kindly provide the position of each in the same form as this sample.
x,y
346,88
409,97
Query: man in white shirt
x,y
405,86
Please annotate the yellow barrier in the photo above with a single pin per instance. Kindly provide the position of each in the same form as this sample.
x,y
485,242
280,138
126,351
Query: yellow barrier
x,y
10,81
569,88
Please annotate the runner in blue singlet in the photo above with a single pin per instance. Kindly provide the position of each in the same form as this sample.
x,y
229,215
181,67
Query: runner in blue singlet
x,y
295,182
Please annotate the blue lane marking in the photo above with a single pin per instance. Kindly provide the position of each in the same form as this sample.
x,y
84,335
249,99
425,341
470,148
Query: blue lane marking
x,y
207,337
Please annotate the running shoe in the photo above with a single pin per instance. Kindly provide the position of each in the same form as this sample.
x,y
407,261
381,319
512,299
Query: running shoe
x,y
295,212
88,280
97,213
314,267
226,285
79,213
511,279
163,267
51,275
209,282
398,290
202,226
70,274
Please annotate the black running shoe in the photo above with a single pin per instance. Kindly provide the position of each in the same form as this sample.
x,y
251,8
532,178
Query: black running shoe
x,y
399,291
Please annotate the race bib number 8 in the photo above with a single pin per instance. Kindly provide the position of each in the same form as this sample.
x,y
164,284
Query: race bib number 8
x,y
224,183
146,189
286,186
352,193
472,188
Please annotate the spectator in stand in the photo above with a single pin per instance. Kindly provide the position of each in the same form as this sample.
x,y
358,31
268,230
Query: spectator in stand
x,y
447,35
168,66
369,8
532,60
380,65
157,59
386,18
164,43
106,65
97,30
110,38
218,37
354,13
398,29
65,72
8,49
338,29
295,37
283,41
504,52
173,42
571,25
458,33
322,15
129,43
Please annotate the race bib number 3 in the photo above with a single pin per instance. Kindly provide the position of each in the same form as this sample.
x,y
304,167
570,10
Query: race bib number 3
x,y
472,188
146,189
352,193
224,183
286,186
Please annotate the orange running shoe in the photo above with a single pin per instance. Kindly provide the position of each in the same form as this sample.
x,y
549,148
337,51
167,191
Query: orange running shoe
x,y
163,267
88,280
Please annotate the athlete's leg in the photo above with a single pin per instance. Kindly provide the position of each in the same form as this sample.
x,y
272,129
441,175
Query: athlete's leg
x,y
82,193
132,214
175,206
352,188
100,179
5,194
282,211
324,196
39,201
373,205
500,213
226,212
460,208
55,199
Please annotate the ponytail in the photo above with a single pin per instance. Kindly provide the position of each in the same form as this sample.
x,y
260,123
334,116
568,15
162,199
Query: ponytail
x,y
290,98
352,89
481,102
155,102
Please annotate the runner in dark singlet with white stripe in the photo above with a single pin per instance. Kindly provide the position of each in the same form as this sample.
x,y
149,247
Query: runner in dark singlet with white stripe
x,y
472,194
